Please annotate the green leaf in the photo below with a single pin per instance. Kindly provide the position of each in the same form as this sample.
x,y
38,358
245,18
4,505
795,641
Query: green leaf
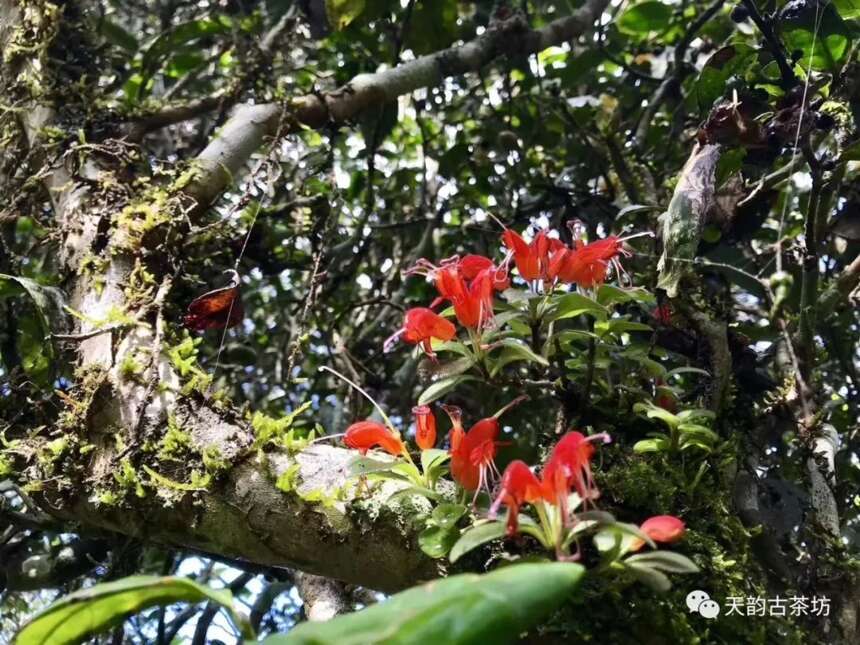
x,y
609,294
651,577
522,351
657,444
575,304
436,541
664,561
441,387
656,412
433,458
620,326
361,465
447,515
621,534
823,42
700,433
475,536
465,609
415,490
686,370
34,342
848,9
98,608
645,17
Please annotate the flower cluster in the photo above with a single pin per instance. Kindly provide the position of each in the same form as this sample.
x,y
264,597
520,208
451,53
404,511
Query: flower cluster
x,y
472,452
567,471
468,283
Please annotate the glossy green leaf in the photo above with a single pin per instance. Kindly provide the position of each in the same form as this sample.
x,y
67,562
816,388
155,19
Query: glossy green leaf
x,y
447,515
475,536
575,304
465,609
82,613
34,341
609,294
441,387
436,541
822,43
521,351
657,444
644,17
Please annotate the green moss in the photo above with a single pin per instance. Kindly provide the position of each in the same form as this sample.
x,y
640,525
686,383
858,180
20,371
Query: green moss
x,y
289,479
128,480
140,287
184,358
130,369
213,461
141,217
52,451
6,467
176,442
95,267
280,431
107,498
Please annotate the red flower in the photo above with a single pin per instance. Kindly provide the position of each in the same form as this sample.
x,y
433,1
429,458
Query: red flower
x,y
587,264
457,432
569,468
472,459
519,485
470,266
425,427
364,435
469,286
532,257
420,325
562,265
665,529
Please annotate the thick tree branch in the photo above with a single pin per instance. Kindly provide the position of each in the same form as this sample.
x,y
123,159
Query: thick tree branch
x,y
250,124
323,598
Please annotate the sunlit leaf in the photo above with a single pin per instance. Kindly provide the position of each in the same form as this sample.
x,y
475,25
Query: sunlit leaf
x,y
97,608
466,609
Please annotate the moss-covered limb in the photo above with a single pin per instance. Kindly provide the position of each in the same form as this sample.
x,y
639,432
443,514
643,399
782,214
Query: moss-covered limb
x,y
247,517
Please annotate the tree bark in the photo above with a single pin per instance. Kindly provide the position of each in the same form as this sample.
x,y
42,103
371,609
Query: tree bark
x,y
242,513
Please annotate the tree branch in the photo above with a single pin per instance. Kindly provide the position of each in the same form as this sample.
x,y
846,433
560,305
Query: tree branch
x,y
251,124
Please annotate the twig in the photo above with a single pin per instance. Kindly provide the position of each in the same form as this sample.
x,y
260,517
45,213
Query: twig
x,y
789,79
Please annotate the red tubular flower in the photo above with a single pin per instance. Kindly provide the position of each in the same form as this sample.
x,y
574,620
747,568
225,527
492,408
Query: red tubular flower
x,y
457,432
420,325
473,456
569,468
473,302
425,427
364,435
519,486
665,529
532,257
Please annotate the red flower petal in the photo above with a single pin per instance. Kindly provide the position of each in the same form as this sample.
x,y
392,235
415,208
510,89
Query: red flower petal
x,y
364,435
